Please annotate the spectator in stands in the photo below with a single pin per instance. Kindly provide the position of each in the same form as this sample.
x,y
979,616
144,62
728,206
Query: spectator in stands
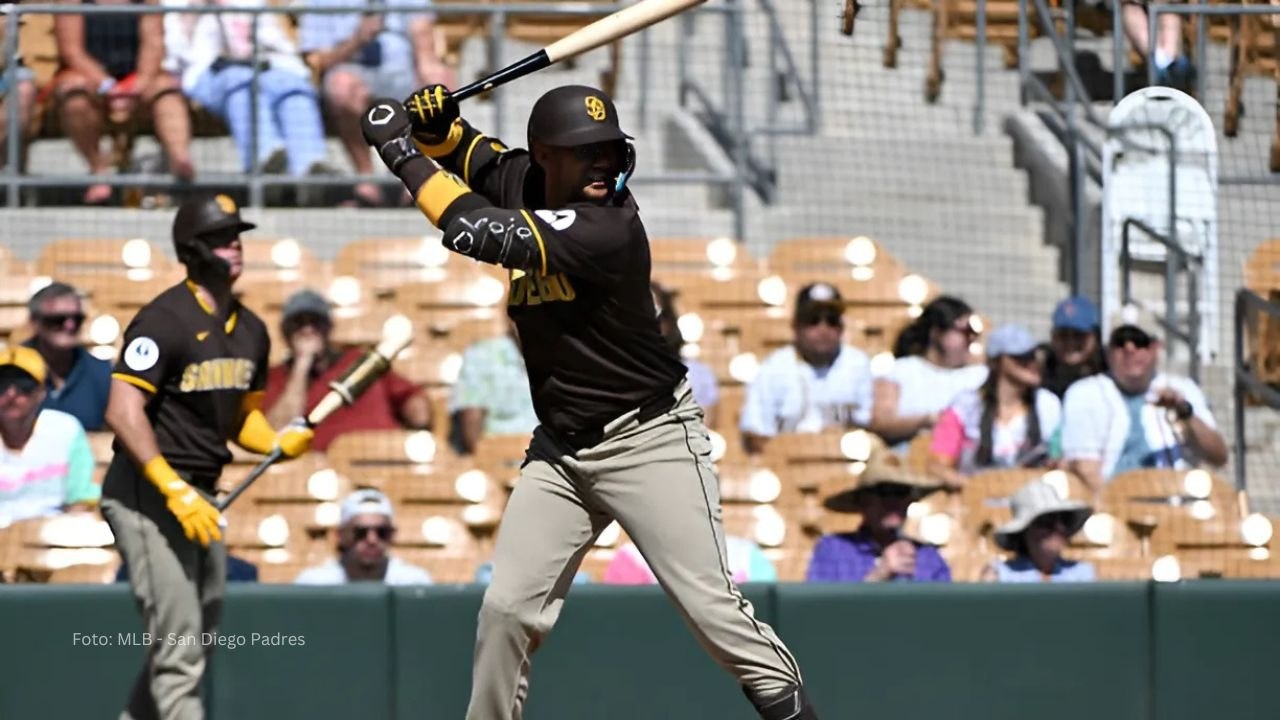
x,y
298,383
702,379
878,551
215,62
111,68
78,383
816,383
21,88
1037,535
1173,68
1133,416
1008,422
366,526
491,395
747,563
1075,346
46,465
933,365
361,57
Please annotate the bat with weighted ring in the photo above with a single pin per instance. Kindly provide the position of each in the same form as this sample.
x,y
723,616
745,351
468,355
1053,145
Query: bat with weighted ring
x,y
342,392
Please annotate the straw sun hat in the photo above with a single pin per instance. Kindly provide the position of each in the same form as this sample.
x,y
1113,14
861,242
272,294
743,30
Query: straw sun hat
x,y
884,470
1037,499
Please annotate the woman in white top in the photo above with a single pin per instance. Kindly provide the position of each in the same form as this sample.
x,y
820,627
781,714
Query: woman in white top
x,y
1005,423
933,365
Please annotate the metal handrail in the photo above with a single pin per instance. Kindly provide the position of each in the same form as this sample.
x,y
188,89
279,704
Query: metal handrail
x,y
1247,381
1185,262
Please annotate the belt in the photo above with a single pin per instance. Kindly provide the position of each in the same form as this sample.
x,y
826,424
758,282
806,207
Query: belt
x,y
591,437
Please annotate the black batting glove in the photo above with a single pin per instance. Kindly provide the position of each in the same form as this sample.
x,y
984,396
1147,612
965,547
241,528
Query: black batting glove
x,y
385,126
432,111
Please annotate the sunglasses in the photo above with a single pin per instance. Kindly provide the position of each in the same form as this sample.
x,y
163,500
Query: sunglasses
x,y
1025,359
24,385
307,319
966,330
829,317
61,320
1126,335
382,531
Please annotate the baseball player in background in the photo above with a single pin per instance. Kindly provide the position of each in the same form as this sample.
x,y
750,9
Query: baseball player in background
x,y
189,380
620,436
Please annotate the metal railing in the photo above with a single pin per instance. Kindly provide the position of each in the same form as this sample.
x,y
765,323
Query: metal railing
x,y
1176,260
497,15
1247,381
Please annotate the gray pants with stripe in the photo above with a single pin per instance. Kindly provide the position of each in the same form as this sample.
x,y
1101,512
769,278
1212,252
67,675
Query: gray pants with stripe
x,y
656,479
178,586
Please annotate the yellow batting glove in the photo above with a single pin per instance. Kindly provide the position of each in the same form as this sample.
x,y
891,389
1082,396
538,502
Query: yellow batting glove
x,y
200,520
295,439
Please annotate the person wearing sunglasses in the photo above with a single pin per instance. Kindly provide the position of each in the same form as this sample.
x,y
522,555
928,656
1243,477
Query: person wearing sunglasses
x,y
932,365
817,383
1007,422
78,383
879,551
1135,416
46,465
1043,523
297,384
366,529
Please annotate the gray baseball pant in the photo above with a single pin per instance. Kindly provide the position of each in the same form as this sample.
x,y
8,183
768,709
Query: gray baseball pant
x,y
179,586
656,479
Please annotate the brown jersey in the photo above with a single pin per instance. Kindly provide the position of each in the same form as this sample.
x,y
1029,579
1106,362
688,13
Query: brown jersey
x,y
197,370
585,313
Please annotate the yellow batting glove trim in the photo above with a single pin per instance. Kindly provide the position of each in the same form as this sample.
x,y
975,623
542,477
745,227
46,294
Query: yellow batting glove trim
x,y
444,147
256,434
438,193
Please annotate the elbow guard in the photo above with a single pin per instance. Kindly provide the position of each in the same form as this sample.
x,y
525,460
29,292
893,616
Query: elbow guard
x,y
496,236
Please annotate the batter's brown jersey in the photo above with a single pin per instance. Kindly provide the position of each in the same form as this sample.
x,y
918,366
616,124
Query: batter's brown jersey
x,y
586,317
196,369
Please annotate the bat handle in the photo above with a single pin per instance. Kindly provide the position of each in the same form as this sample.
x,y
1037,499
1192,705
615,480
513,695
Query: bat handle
x,y
267,462
518,69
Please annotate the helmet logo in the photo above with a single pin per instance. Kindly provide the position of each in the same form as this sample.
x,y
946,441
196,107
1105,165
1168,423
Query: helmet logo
x,y
225,203
595,108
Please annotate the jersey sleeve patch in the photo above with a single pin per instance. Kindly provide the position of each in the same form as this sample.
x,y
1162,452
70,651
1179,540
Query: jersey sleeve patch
x,y
557,219
142,354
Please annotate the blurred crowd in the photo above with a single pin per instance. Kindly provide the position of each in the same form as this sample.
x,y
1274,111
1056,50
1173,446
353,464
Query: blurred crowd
x,y
1092,404
276,82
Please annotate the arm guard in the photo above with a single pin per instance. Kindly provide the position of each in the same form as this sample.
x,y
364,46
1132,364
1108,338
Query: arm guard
x,y
494,235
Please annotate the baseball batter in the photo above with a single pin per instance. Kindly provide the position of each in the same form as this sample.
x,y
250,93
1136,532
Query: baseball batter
x,y
620,437
189,380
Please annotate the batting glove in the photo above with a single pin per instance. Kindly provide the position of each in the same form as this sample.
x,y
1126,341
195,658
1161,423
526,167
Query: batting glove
x,y
201,522
432,111
295,438
385,126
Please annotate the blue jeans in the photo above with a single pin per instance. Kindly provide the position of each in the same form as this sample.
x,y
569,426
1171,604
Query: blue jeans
x,y
288,114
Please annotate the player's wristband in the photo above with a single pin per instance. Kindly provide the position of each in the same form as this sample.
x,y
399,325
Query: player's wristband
x,y
161,474
398,151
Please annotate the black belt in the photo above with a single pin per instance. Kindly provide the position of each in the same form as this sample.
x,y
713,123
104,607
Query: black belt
x,y
591,437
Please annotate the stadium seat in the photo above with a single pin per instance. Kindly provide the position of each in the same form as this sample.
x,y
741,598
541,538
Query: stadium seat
x,y
306,479
1254,51
85,574
805,459
282,260
367,456
92,262
1262,276
1150,497
502,455
382,263
678,262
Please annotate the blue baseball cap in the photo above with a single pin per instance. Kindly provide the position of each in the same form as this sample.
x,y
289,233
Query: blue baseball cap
x,y
1076,313
1011,340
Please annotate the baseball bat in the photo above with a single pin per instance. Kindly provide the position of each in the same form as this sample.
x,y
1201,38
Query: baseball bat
x,y
603,31
343,391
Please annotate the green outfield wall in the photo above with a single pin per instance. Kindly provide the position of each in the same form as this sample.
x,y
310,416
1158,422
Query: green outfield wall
x,y
1127,651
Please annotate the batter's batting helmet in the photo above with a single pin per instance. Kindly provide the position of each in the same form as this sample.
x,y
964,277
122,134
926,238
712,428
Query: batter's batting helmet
x,y
197,220
574,115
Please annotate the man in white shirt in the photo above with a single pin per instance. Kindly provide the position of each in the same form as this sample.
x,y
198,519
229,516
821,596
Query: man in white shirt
x,y
816,383
1133,416
366,527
